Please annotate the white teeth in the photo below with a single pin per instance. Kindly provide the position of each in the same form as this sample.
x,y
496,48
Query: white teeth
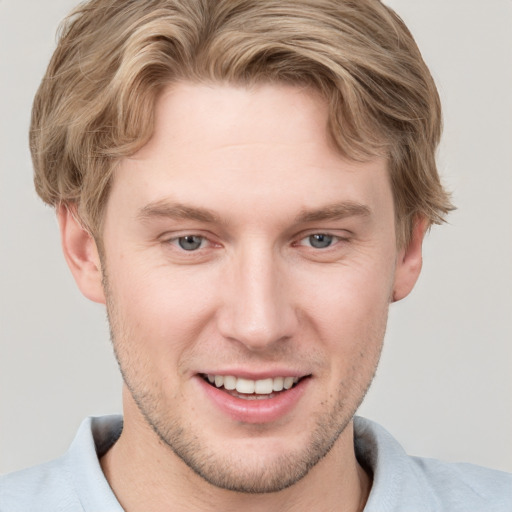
x,y
279,384
264,387
230,382
248,386
288,382
245,386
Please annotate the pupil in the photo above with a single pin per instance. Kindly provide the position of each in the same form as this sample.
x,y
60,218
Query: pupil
x,y
320,241
190,242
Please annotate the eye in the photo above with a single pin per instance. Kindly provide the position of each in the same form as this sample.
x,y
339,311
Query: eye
x,y
190,242
319,240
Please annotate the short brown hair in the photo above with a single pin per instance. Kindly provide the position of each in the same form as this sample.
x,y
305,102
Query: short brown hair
x,y
96,102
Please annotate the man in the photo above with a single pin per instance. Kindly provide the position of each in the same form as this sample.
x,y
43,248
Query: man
x,y
246,186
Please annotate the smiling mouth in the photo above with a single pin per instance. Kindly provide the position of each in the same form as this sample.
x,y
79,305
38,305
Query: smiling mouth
x,y
248,389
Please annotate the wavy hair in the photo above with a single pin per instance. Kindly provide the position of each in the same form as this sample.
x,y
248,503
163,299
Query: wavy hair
x,y
96,101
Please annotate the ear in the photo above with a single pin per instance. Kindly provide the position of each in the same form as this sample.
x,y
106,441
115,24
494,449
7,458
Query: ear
x,y
81,254
409,261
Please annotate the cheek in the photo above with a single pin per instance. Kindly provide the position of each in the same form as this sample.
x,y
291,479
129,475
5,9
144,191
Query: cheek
x,y
161,309
347,293
347,309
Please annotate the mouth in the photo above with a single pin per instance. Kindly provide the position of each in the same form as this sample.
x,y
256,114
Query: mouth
x,y
248,389
255,401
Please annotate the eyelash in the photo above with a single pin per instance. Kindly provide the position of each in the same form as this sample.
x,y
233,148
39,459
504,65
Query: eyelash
x,y
175,241
333,240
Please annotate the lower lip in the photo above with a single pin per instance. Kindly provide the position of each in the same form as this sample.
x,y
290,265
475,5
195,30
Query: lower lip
x,y
263,410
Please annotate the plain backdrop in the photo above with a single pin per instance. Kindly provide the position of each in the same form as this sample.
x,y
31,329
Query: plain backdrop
x,y
444,387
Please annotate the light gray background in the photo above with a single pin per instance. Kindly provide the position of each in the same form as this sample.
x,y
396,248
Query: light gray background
x,y
444,384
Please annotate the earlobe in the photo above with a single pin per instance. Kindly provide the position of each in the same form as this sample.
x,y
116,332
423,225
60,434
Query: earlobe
x,y
409,261
81,254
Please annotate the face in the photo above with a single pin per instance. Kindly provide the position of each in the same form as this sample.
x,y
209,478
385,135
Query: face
x,y
248,272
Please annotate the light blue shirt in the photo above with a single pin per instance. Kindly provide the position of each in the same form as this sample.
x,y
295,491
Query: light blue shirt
x,y
75,482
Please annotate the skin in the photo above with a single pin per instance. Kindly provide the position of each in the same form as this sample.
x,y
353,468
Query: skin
x,y
253,173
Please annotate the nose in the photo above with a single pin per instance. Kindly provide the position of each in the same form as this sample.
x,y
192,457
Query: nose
x,y
257,309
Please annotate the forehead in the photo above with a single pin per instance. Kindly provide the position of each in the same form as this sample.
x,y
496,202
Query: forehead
x,y
265,148
228,120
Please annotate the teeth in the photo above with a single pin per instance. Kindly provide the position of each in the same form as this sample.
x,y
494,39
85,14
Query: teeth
x,y
288,382
264,387
279,384
245,386
248,386
230,382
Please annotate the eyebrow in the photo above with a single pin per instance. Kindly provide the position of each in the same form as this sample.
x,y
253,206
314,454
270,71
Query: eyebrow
x,y
334,211
176,211
181,211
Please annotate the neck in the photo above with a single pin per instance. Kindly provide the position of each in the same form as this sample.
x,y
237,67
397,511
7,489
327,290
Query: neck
x,y
145,474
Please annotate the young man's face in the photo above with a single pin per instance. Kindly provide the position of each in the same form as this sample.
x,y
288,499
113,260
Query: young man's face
x,y
240,245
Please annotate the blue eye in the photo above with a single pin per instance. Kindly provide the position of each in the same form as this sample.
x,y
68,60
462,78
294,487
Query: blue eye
x,y
320,240
190,242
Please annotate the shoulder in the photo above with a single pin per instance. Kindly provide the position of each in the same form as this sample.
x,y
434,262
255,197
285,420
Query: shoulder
x,y
46,487
474,487
404,483
71,483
